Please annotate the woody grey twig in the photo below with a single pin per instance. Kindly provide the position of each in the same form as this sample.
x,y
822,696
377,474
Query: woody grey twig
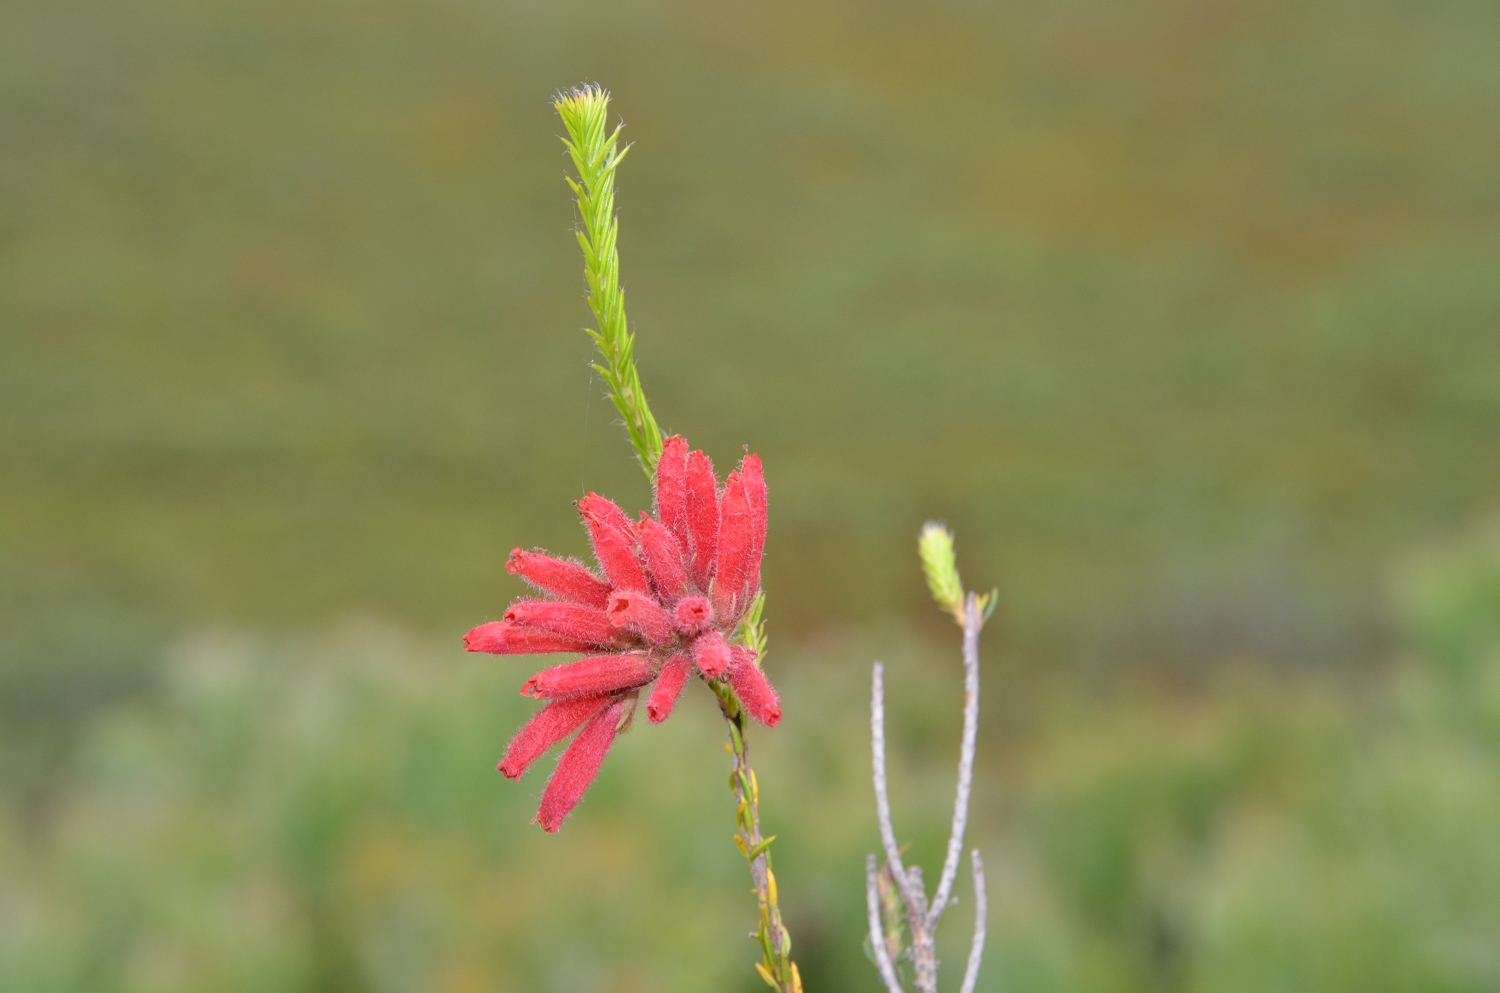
x,y
981,915
965,761
923,919
877,939
882,796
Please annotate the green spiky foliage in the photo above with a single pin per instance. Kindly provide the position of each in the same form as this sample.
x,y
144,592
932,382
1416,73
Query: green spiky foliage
x,y
940,564
596,153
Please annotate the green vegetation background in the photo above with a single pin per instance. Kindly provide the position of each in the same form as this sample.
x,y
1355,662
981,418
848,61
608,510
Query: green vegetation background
x,y
1183,315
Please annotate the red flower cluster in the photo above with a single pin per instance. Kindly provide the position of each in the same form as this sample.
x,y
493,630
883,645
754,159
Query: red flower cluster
x,y
674,588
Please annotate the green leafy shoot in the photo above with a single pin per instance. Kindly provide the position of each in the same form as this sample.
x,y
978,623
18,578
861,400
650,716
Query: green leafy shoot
x,y
596,153
751,631
940,563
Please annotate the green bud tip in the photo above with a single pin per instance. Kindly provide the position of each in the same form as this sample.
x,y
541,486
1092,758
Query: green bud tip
x,y
935,545
581,99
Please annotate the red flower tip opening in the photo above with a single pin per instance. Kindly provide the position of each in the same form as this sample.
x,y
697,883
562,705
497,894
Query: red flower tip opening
x,y
693,614
711,652
674,587
674,676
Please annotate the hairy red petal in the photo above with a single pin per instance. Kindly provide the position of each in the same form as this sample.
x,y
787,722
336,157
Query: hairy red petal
x,y
671,488
548,726
711,652
663,555
755,494
505,638
568,620
638,612
591,676
608,513
735,540
614,542
578,767
750,685
561,578
693,614
674,676
703,517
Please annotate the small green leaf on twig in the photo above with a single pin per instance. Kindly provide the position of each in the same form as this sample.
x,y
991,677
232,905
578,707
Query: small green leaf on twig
x,y
987,604
751,631
764,844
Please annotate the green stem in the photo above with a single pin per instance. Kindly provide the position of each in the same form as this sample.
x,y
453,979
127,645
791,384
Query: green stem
x,y
776,966
596,153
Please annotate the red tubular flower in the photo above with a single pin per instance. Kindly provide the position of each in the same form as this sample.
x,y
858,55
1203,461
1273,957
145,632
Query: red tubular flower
x,y
692,615
663,554
573,621
503,638
671,488
755,495
568,580
702,518
711,652
578,766
736,535
674,588
639,613
751,686
614,542
550,725
592,676
674,676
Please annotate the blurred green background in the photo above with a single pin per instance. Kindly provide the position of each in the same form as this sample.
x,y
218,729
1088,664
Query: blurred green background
x,y
1183,314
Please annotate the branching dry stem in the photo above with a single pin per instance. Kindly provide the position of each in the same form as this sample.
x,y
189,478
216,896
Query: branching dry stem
x,y
972,623
981,915
877,936
923,918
